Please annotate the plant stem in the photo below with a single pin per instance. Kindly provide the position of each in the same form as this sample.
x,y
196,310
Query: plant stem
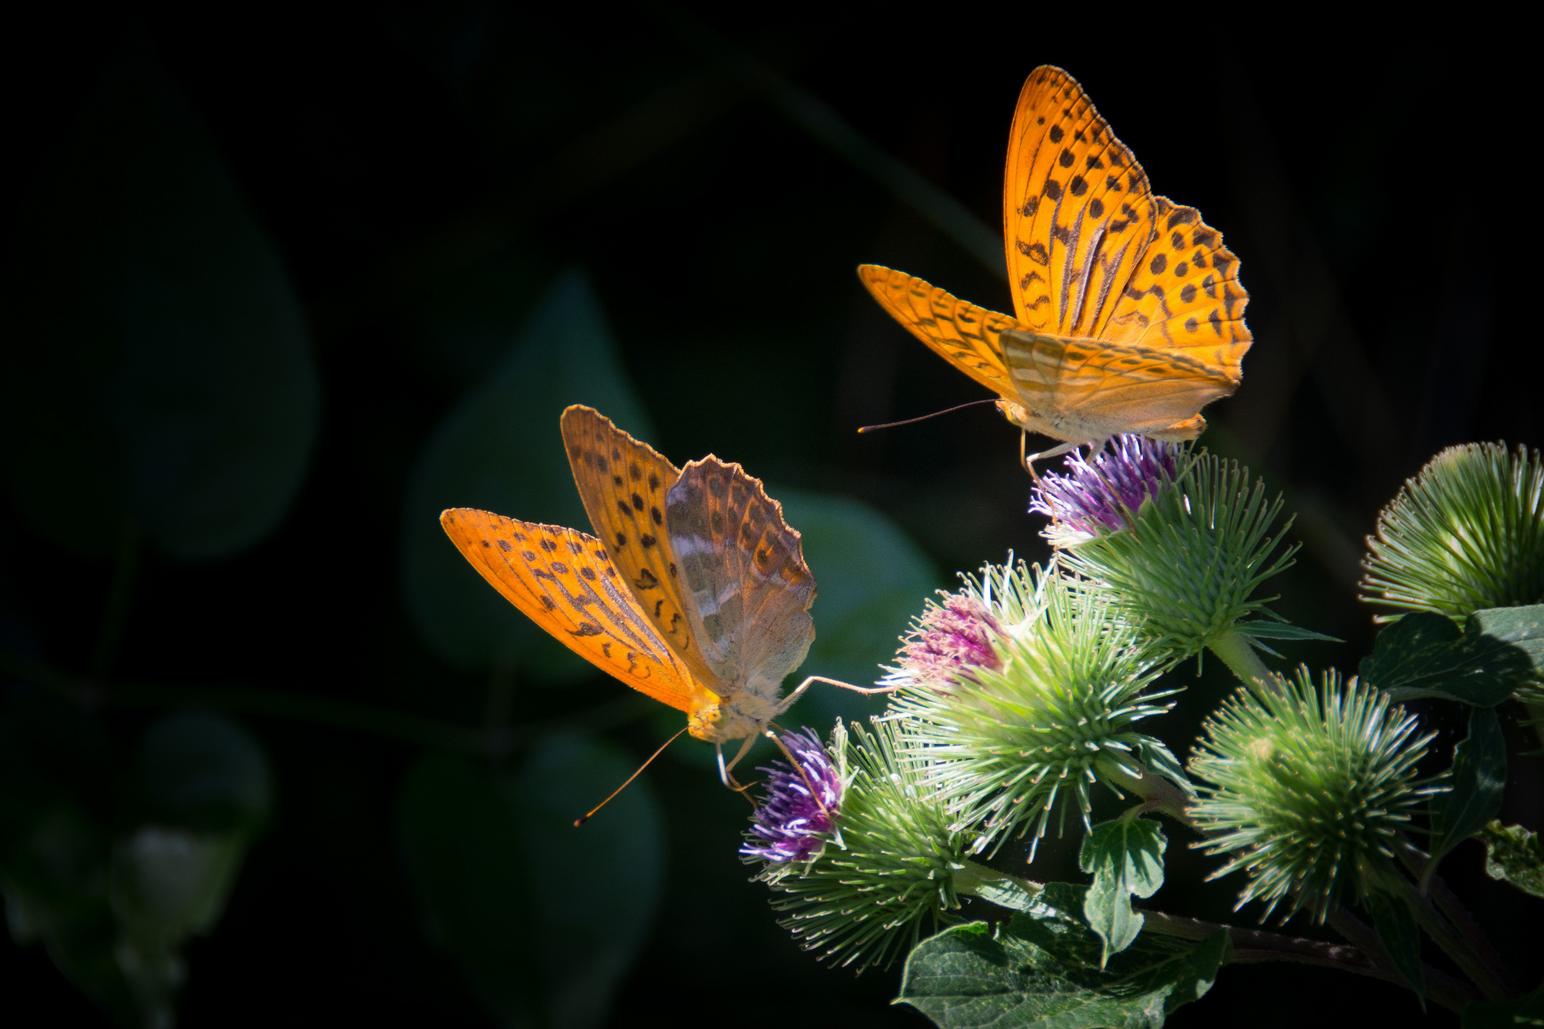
x,y
1246,946
1157,793
1452,908
1235,651
1255,946
1452,943
493,742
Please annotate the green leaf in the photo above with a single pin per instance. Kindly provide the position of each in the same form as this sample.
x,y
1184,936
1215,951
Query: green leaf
x,y
1400,938
1519,628
1044,972
157,344
1427,655
870,578
543,919
1514,855
1125,857
1527,1010
501,450
1157,757
1264,629
1479,777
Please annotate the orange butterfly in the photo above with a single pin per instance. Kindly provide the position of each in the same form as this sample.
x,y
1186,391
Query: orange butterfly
x,y
693,590
1129,312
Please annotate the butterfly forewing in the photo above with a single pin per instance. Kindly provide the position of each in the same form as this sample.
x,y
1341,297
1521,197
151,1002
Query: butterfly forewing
x,y
1077,209
749,590
563,581
961,333
623,483
1185,295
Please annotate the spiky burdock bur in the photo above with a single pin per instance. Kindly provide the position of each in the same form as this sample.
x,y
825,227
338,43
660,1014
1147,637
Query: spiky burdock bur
x,y
1011,744
1467,533
887,873
1187,566
1308,790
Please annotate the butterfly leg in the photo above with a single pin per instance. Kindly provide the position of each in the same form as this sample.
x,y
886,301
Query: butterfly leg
x,y
1029,460
798,692
726,772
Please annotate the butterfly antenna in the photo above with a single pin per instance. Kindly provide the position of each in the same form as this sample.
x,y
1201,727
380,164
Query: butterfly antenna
x,y
628,782
925,417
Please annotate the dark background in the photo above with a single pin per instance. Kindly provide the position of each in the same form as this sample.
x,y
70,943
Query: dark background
x,y
282,287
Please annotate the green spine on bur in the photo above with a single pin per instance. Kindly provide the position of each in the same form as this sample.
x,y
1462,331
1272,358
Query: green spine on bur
x,y
1187,567
1308,790
887,873
1010,745
1467,533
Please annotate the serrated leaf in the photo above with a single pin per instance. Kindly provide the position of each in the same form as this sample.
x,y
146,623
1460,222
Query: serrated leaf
x,y
1400,937
1043,974
500,449
1517,1013
1125,858
1427,655
1514,855
155,341
1479,777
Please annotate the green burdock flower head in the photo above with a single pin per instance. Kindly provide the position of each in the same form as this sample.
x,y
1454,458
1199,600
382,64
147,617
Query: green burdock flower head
x,y
1188,565
1013,743
1467,533
1307,790
887,873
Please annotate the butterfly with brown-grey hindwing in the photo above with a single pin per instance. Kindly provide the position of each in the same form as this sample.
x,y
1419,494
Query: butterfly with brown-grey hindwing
x,y
693,590
1129,316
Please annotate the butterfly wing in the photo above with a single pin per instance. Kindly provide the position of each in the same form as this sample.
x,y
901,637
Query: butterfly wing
x,y
1092,389
1077,209
749,588
623,483
563,581
963,334
1185,296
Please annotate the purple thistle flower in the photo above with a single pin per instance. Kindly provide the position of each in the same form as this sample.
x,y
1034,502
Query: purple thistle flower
x,y
792,823
1093,496
948,641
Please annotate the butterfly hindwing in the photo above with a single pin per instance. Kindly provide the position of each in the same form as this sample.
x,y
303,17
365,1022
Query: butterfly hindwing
x,y
961,333
1077,209
1098,389
623,483
1185,295
749,590
563,580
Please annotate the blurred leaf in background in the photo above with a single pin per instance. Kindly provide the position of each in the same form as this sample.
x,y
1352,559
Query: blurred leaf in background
x,y
159,377
113,874
543,919
500,450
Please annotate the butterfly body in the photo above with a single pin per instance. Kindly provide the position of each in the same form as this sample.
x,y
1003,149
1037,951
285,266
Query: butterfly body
x,y
1128,313
693,591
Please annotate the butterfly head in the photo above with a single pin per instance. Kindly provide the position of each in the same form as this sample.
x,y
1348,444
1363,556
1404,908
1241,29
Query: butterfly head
x,y
1016,413
741,714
